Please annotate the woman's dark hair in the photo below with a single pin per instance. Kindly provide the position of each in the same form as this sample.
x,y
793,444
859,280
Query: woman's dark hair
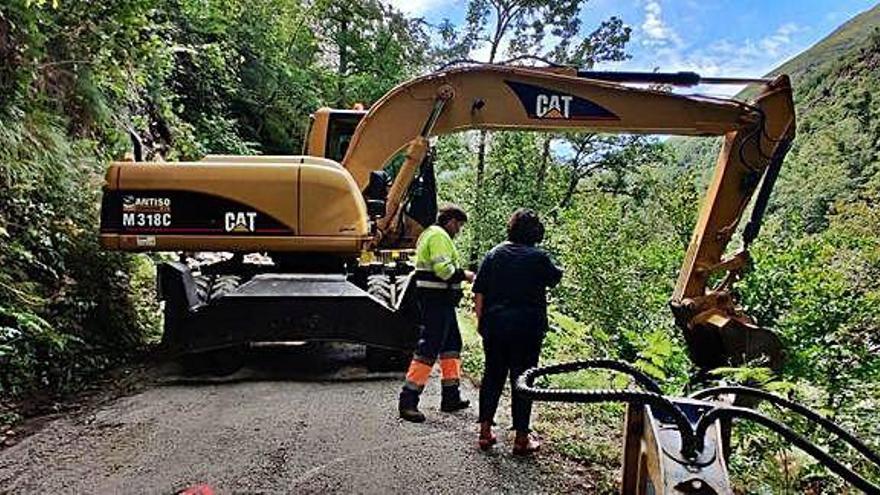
x,y
449,212
524,227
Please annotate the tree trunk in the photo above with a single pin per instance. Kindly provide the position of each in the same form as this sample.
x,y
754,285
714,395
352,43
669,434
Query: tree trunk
x,y
573,181
542,172
503,16
477,237
343,61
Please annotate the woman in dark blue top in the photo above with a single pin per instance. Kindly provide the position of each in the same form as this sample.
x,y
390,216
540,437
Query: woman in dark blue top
x,y
510,294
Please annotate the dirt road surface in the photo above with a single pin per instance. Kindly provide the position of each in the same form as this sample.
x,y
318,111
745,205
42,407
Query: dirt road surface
x,y
271,428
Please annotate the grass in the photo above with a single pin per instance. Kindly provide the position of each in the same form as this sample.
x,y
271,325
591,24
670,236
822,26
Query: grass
x,y
472,347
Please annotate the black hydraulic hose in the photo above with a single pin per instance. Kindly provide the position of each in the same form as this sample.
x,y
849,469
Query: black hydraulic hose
x,y
727,412
804,411
671,78
753,227
636,374
690,444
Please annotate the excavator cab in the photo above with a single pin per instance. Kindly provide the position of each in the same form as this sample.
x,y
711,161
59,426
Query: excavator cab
x,y
330,132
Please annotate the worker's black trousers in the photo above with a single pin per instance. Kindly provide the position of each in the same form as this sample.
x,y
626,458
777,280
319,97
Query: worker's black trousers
x,y
439,338
511,344
440,335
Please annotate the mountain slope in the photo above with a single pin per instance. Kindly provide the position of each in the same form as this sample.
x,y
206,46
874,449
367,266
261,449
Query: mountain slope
x,y
850,35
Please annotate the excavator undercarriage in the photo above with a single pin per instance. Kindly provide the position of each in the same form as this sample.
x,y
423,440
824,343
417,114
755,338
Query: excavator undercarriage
x,y
279,307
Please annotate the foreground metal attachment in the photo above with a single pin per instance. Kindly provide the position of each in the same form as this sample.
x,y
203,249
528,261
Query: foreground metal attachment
x,y
653,461
681,445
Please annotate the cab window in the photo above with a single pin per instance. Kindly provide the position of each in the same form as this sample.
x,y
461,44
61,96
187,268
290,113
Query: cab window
x,y
340,130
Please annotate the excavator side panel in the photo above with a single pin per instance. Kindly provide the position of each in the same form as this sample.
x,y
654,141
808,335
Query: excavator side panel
x,y
242,206
321,212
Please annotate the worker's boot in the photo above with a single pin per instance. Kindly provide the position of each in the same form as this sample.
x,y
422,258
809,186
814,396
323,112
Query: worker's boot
x,y
451,400
408,406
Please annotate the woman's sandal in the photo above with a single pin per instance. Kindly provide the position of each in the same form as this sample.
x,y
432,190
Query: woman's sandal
x,y
486,443
526,447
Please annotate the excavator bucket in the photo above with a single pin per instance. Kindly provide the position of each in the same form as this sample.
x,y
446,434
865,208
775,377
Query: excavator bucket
x,y
730,341
280,308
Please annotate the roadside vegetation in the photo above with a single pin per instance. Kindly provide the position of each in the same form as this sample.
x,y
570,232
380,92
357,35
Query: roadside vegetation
x,y
80,80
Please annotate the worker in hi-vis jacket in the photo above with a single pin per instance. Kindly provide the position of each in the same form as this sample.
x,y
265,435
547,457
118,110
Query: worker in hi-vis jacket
x,y
438,279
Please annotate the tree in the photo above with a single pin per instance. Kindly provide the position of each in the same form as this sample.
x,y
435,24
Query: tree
x,y
187,77
369,47
611,155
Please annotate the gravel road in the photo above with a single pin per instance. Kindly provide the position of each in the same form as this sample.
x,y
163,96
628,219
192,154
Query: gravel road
x,y
270,429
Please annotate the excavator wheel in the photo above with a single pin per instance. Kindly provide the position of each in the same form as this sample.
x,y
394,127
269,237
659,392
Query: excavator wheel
x,y
383,288
203,286
210,287
400,286
217,362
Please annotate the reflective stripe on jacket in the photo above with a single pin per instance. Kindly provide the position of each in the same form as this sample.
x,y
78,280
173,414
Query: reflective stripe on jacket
x,y
434,284
436,253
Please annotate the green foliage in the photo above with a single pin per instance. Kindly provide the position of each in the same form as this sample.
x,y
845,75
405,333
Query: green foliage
x,y
525,26
372,48
815,279
189,77
66,308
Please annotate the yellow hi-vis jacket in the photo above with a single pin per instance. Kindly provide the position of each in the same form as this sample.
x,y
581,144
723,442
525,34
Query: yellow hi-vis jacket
x,y
436,254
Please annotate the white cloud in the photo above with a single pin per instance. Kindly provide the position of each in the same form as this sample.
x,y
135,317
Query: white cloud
x,y
655,30
779,40
668,49
750,57
757,57
416,7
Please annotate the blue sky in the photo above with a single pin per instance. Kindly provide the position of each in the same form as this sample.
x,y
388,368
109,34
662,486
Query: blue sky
x,y
713,38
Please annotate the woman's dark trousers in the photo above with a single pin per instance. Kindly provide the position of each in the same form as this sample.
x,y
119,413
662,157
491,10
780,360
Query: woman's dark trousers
x,y
511,344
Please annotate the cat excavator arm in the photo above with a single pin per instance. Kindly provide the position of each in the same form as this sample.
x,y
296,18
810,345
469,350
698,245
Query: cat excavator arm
x,y
756,137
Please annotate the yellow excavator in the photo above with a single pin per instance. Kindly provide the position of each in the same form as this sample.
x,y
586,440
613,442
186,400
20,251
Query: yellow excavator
x,y
331,224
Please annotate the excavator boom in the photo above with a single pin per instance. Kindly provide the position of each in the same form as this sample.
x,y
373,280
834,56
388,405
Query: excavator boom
x,y
516,98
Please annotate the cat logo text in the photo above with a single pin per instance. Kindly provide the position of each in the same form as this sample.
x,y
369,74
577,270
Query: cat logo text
x,y
553,106
240,221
